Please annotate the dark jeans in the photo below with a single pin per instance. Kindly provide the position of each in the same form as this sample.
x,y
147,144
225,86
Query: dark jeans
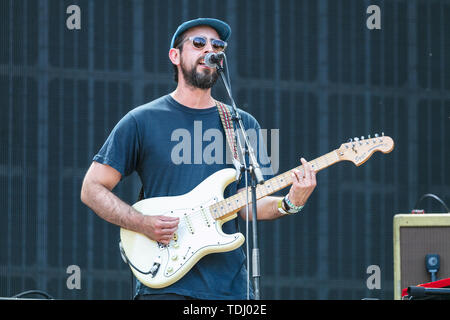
x,y
166,296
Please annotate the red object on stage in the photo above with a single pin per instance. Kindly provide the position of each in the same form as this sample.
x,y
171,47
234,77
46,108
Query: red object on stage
x,y
443,283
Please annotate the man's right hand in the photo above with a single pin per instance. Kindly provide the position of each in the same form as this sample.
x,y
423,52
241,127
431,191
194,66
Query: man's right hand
x,y
160,228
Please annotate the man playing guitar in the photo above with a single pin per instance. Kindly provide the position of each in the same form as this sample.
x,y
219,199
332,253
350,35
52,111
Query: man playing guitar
x,y
143,140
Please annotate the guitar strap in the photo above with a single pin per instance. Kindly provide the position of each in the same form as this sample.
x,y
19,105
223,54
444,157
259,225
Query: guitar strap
x,y
226,118
227,123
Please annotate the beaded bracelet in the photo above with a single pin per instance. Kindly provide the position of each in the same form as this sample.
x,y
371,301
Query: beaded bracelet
x,y
291,207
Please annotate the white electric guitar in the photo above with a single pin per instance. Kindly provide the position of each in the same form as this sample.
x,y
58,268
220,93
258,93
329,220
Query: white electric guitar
x,y
203,211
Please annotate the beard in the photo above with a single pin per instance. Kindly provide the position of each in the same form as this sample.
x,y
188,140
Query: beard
x,y
204,79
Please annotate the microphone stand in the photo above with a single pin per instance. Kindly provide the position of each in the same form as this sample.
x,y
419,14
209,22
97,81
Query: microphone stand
x,y
256,178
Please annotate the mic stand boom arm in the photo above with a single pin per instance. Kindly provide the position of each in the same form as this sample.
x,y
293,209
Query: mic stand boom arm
x,y
256,178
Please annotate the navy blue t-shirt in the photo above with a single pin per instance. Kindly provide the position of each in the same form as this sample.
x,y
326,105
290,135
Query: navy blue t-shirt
x,y
173,148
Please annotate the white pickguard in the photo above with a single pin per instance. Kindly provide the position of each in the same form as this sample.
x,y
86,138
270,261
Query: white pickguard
x,y
198,233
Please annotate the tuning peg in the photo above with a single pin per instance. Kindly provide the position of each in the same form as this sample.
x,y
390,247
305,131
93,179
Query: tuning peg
x,y
356,138
362,137
350,140
368,137
376,135
382,134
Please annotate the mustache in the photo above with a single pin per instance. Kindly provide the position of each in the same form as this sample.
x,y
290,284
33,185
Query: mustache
x,y
201,60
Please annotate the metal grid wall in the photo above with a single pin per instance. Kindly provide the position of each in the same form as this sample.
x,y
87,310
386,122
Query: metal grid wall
x,y
309,68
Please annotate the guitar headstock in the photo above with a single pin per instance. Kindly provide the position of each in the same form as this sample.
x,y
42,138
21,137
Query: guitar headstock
x,y
359,150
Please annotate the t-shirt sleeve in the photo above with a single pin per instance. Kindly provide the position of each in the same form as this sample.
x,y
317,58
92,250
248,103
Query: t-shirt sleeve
x,y
121,148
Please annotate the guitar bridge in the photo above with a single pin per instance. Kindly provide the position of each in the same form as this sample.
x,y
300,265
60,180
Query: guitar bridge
x,y
161,246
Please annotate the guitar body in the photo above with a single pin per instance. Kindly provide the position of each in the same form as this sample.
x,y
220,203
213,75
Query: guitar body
x,y
198,234
200,230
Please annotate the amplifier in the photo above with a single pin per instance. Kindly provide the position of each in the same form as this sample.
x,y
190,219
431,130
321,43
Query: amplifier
x,y
415,237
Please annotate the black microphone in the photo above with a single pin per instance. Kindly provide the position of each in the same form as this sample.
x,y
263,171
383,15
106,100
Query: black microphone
x,y
213,59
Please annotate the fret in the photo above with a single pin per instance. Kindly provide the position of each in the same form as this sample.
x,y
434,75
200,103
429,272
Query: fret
x,y
213,210
284,179
237,200
279,182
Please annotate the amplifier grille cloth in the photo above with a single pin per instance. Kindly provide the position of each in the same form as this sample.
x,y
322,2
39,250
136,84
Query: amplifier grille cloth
x,y
415,244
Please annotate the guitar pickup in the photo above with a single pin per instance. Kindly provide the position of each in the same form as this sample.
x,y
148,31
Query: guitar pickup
x,y
189,223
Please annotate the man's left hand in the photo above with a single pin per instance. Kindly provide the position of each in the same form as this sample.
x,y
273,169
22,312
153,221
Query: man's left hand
x,y
304,182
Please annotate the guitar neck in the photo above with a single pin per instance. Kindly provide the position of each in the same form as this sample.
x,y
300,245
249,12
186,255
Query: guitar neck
x,y
231,205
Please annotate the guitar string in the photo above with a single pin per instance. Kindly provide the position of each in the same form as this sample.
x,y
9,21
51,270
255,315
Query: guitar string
x,y
205,214
199,215
326,160
320,163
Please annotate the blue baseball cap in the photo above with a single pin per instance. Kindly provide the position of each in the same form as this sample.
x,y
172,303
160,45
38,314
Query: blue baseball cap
x,y
222,28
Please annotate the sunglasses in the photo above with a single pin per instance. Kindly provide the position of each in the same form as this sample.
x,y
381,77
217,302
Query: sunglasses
x,y
199,42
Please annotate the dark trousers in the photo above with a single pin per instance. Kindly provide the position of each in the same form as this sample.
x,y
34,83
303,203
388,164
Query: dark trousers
x,y
166,296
